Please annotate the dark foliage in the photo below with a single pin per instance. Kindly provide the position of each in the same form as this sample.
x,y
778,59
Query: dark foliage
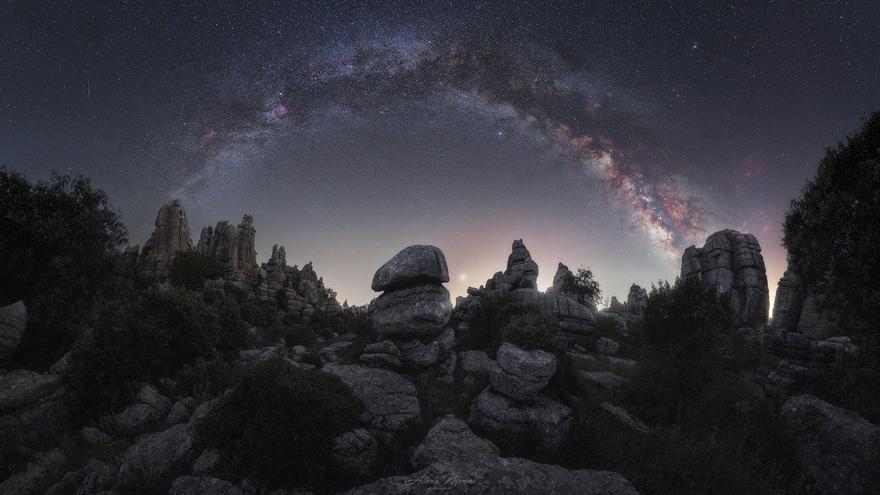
x,y
694,360
832,233
489,319
282,421
190,269
59,252
533,330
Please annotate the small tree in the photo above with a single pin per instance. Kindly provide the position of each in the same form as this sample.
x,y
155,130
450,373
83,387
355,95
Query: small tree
x,y
190,269
583,285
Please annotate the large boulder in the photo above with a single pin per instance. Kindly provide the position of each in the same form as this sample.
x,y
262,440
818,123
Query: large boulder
x,y
38,475
477,367
450,439
413,265
412,311
13,322
636,300
170,237
575,318
540,425
731,263
391,404
521,374
838,449
493,475
156,456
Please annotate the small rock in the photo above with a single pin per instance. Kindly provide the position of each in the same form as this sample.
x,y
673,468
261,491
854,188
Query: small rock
x,y
19,388
207,462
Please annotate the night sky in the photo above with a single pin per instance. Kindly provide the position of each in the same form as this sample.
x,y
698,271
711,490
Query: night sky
x,y
605,134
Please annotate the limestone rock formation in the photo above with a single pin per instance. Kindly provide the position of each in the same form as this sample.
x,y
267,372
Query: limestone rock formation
x,y
492,475
155,456
838,449
450,439
412,266
636,300
788,303
731,263
170,237
391,404
418,310
540,425
576,317
521,374
414,309
233,248
13,323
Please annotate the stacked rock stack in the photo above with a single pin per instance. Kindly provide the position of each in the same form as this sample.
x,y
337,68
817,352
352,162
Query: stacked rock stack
x,y
511,409
413,311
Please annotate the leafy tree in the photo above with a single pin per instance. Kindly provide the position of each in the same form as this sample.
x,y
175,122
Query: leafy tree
x,y
60,253
832,233
583,285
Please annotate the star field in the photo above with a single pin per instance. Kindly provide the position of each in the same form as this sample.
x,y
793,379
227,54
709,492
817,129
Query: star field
x,y
608,134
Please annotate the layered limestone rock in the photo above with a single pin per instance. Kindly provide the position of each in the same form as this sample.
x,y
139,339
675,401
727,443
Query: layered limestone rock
x,y
636,300
233,248
838,449
731,263
521,374
541,425
414,309
576,317
170,237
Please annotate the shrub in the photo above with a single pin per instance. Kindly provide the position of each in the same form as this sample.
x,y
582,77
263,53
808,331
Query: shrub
x,y
282,420
190,269
486,322
259,313
204,379
694,361
533,330
141,340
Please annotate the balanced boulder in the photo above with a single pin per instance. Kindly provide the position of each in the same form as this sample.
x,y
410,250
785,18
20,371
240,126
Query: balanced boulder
x,y
521,374
412,266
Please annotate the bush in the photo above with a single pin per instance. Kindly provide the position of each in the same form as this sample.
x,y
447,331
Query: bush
x,y
204,379
190,269
533,330
487,321
694,362
142,340
59,252
282,421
